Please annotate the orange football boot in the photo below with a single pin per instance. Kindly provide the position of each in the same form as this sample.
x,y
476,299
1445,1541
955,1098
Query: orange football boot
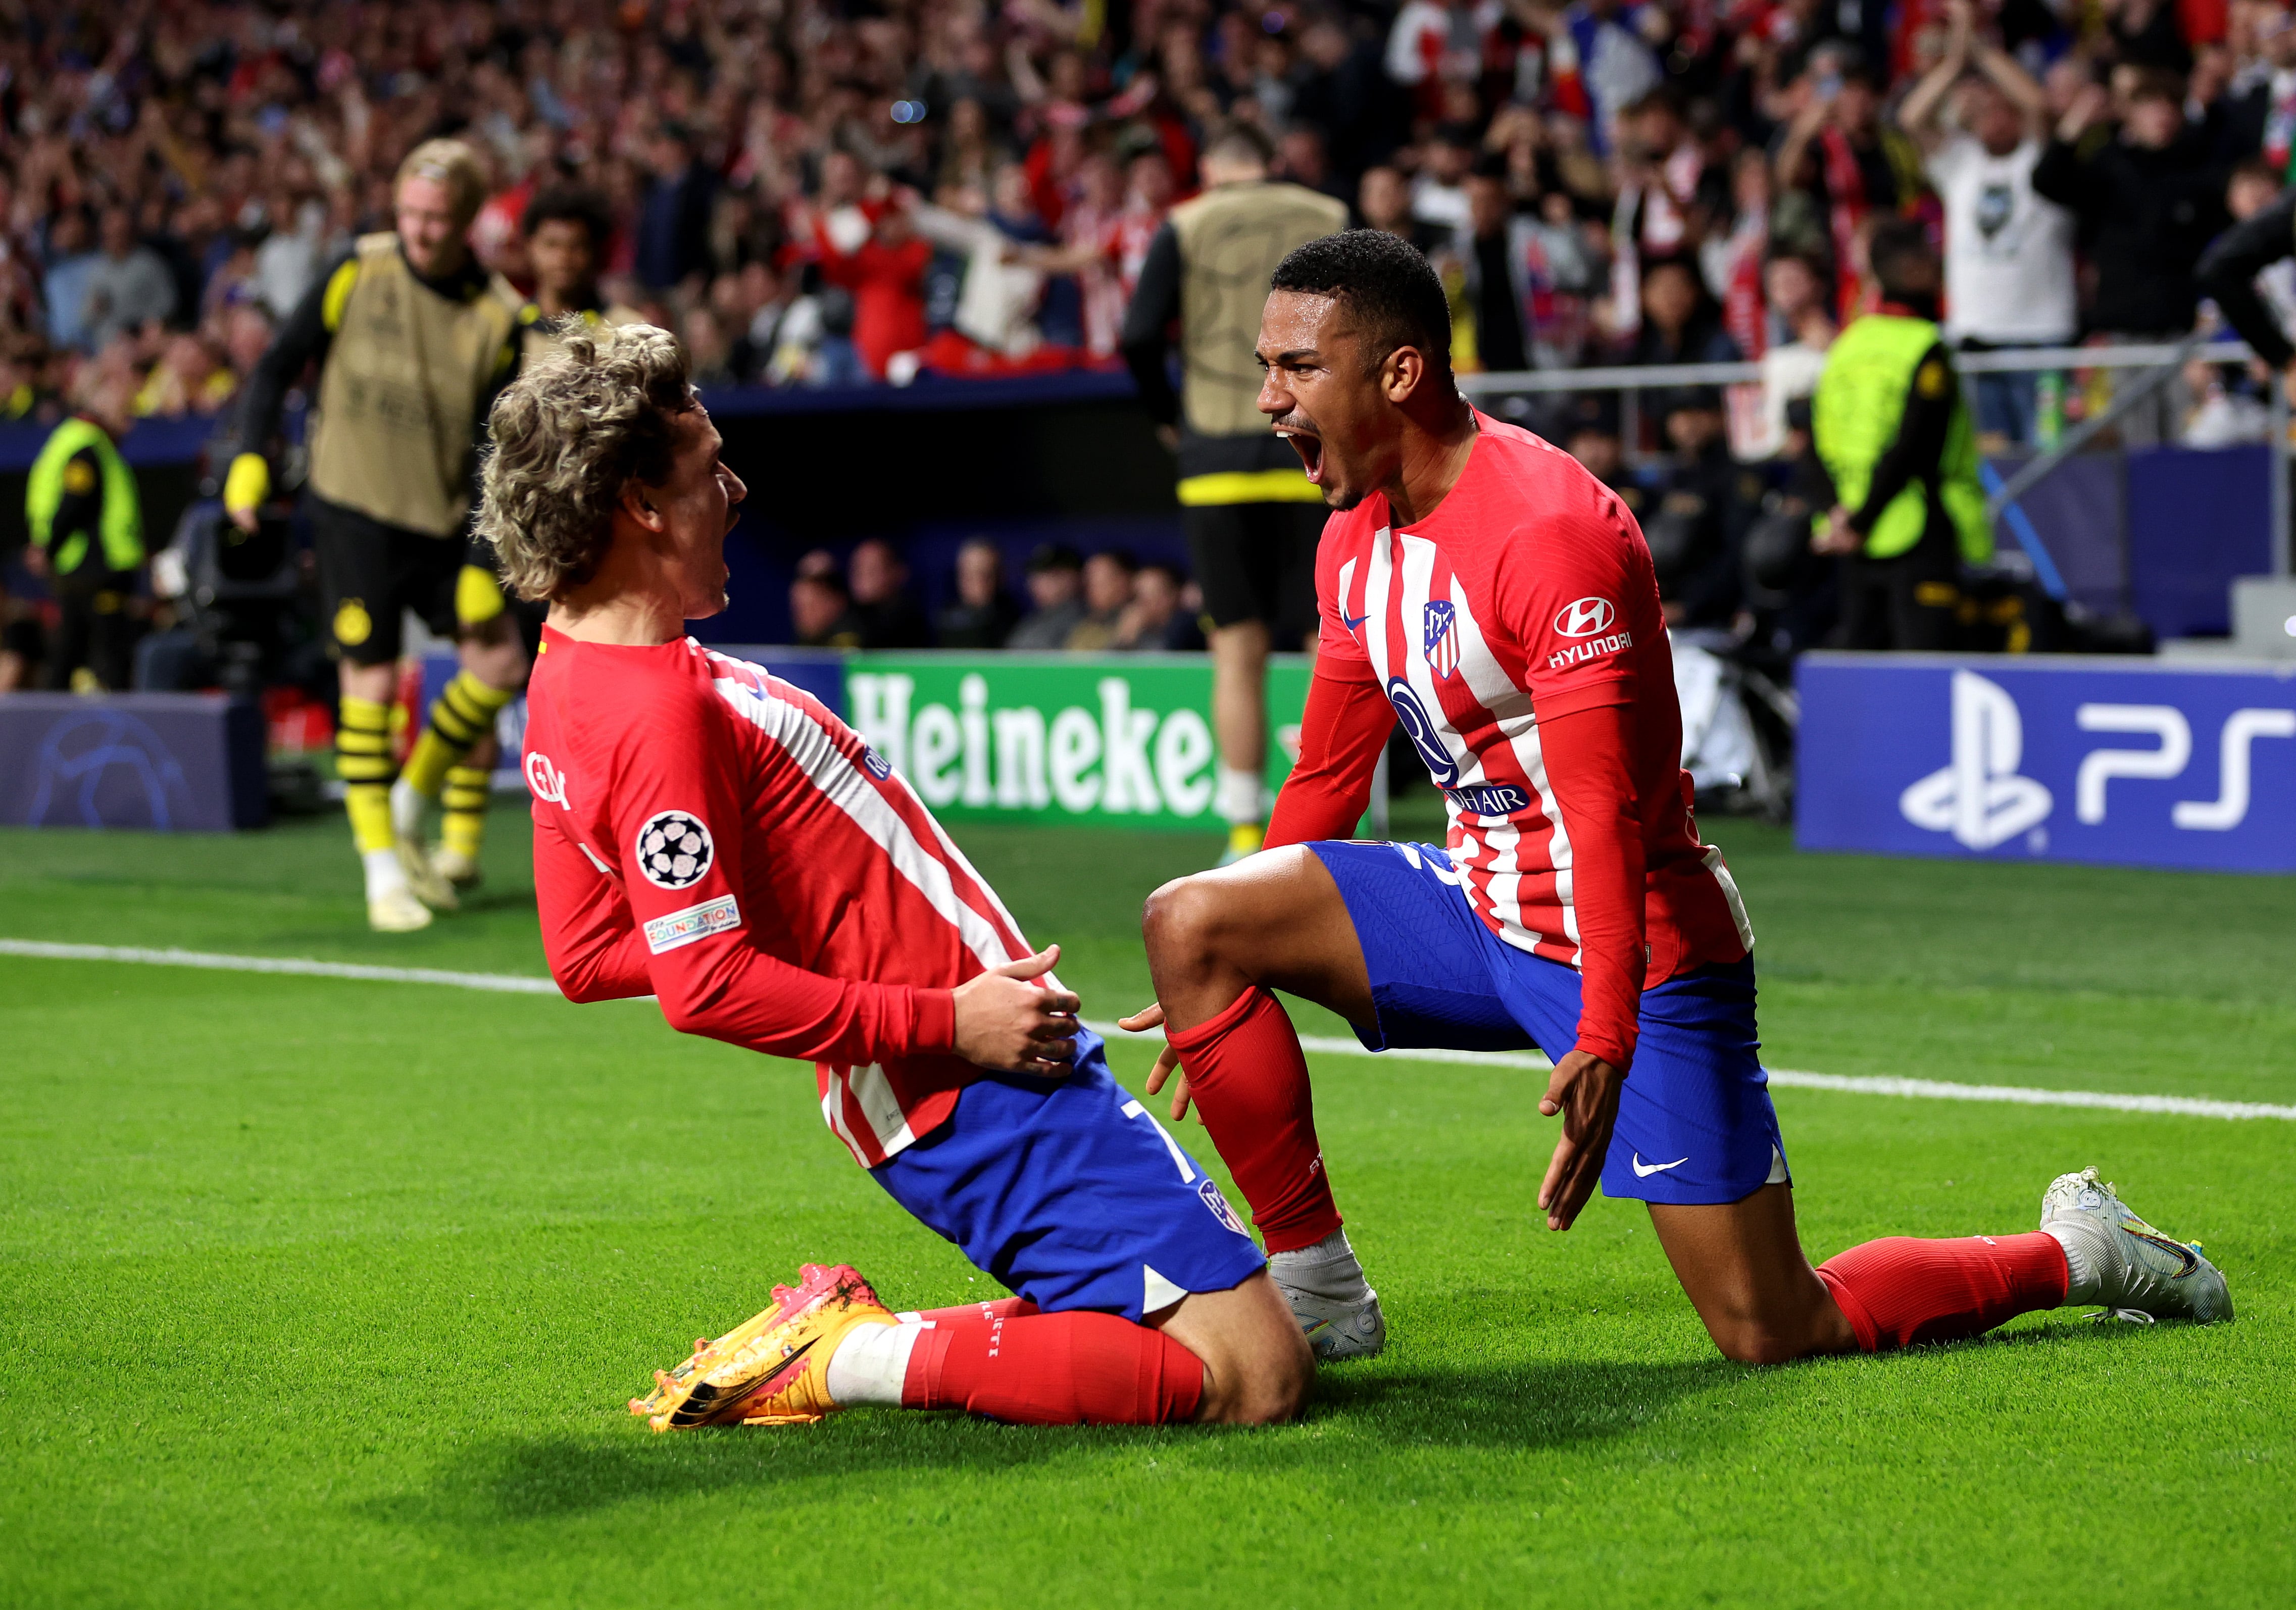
x,y
772,1369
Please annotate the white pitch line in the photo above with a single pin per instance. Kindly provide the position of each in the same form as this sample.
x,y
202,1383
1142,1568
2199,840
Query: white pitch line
x,y
508,983
2181,1107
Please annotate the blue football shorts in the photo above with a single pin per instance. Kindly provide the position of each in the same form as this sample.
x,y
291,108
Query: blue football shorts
x,y
1695,1124
1071,1193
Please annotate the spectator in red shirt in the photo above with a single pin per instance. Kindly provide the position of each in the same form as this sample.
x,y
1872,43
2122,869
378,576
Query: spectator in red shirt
x,y
886,278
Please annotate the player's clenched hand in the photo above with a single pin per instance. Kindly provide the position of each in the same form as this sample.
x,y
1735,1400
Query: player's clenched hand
x,y
1008,1022
1585,1090
1168,1060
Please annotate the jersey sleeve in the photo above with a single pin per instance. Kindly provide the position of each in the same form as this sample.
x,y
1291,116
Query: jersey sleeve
x,y
1341,732
1338,650
593,946
1589,764
681,840
1574,587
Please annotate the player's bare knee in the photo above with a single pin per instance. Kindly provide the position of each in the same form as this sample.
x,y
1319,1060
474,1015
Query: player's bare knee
x,y
1751,1342
1181,923
1263,1389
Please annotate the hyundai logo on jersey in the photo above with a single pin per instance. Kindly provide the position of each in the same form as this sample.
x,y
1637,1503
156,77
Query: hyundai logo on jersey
x,y
1420,729
2061,758
1440,638
1584,617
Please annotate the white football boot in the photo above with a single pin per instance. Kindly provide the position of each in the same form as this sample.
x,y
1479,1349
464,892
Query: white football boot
x,y
408,808
1335,1307
391,906
2115,1258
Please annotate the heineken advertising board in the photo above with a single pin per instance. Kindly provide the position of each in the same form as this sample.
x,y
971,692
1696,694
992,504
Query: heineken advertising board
x,y
1121,740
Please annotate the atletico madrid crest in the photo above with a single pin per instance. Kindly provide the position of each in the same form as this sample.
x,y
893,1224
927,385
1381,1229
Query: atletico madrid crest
x,y
1440,639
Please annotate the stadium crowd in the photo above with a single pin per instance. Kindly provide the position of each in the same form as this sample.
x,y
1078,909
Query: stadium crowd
x,y
824,195
829,195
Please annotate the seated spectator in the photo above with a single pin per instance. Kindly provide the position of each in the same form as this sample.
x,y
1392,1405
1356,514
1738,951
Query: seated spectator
x,y
1055,583
186,380
1156,618
1108,579
1591,436
982,615
889,616
821,610
1696,530
22,643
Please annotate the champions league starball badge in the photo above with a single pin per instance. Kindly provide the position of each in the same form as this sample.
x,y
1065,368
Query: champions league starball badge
x,y
674,850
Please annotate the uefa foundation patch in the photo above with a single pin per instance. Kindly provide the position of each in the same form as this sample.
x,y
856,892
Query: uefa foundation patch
x,y
695,921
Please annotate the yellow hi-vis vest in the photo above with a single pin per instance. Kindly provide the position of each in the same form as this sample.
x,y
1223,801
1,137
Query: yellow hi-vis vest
x,y
1869,373
399,396
122,533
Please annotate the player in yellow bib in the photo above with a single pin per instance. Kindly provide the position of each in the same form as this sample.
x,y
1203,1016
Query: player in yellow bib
x,y
411,339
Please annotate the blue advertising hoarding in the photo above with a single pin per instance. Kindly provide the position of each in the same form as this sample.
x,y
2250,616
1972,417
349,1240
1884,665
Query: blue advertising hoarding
x,y
2110,760
171,762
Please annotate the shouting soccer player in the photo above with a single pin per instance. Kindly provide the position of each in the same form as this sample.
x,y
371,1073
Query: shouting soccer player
x,y
1480,587
707,833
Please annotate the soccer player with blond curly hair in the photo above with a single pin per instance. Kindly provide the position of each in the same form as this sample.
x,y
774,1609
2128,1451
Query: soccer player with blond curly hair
x,y
710,834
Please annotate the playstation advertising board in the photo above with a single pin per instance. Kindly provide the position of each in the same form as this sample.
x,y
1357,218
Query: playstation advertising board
x,y
2109,760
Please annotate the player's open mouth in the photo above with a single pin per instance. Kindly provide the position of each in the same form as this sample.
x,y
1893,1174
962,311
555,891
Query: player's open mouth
x,y
1310,448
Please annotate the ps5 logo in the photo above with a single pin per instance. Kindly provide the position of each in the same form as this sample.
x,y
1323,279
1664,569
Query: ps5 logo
x,y
1978,796
2167,723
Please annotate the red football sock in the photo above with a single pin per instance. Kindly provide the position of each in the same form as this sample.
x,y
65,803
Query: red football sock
x,y
1249,1080
1000,1308
1901,1290
1054,1369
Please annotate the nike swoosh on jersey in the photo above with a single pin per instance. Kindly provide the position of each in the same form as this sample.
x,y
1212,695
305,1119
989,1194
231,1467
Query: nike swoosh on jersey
x,y
1352,623
1643,1171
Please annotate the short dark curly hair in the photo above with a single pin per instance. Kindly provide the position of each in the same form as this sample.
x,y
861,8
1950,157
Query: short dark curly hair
x,y
1390,289
569,204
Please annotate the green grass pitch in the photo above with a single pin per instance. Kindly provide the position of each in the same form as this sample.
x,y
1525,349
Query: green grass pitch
x,y
324,1293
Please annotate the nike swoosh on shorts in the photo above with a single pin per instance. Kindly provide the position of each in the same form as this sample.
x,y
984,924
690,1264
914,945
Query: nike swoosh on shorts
x,y
1645,1169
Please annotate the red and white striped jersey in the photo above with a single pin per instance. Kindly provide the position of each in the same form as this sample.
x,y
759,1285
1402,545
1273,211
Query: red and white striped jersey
x,y
706,832
1526,595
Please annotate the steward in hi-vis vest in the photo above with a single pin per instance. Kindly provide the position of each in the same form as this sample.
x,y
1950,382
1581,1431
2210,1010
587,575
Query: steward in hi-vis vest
x,y
86,521
1893,437
412,341
1251,517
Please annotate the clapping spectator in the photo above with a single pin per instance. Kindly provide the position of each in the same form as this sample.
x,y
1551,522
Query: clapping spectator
x,y
1855,166
886,278
2008,250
